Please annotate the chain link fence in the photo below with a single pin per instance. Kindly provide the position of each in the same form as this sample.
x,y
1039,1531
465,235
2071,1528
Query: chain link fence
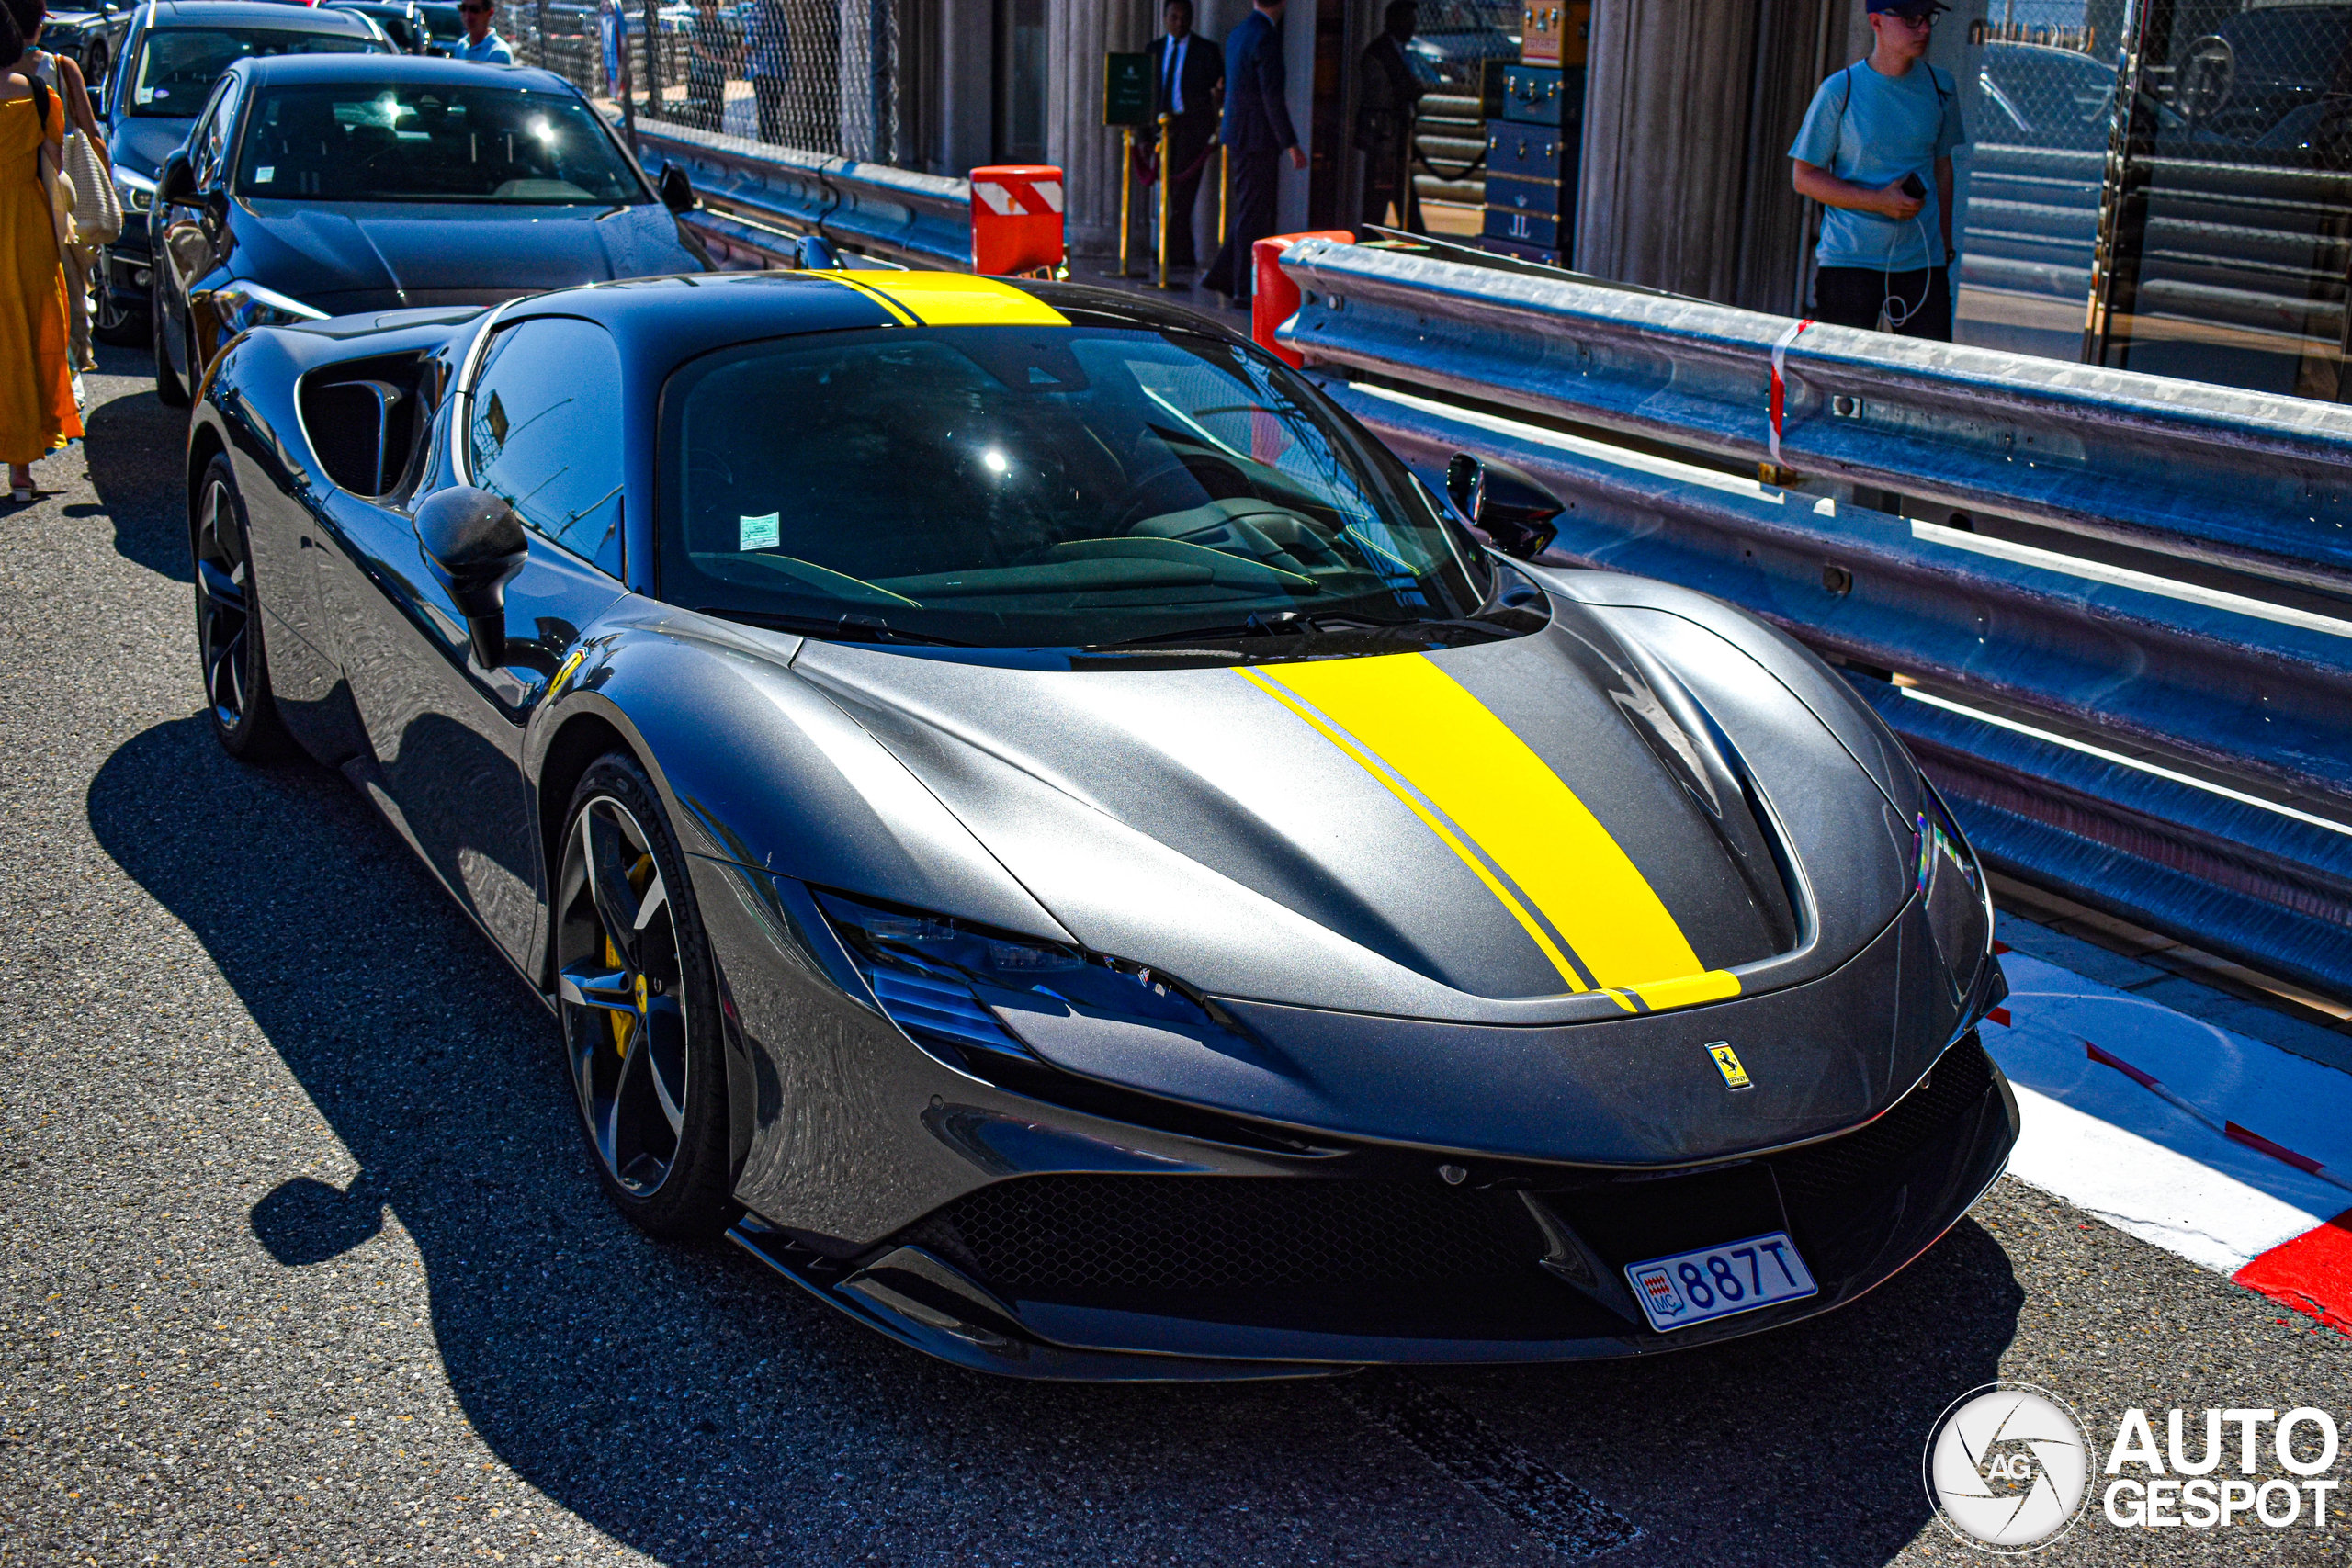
x,y
816,75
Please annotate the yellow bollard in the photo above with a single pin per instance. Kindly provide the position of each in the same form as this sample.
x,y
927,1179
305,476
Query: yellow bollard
x,y
1126,193
1167,178
1224,189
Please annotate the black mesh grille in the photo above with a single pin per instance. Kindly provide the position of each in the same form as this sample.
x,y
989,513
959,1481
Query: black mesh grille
x,y
1149,1234
1868,1155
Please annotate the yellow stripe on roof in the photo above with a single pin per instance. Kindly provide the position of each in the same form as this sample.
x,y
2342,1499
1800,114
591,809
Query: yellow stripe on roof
x,y
955,300
1495,802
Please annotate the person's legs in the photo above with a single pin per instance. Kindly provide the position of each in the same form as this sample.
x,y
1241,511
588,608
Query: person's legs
x,y
1256,178
1932,320
1848,296
1181,196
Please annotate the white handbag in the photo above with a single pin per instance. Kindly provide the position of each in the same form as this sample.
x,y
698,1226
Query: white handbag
x,y
98,207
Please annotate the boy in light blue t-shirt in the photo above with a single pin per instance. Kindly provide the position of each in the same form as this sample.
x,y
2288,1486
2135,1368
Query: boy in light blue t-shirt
x,y
1880,122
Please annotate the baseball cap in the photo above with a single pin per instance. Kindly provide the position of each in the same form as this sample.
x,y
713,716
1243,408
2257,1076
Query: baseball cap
x,y
1911,11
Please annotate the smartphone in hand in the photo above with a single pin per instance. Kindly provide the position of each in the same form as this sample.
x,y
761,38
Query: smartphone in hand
x,y
1915,188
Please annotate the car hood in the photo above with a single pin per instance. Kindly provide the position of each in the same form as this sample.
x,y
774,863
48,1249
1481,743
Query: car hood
x,y
142,145
345,256
1620,813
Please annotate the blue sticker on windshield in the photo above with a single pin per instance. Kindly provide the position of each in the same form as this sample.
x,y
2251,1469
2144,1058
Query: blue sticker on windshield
x,y
759,533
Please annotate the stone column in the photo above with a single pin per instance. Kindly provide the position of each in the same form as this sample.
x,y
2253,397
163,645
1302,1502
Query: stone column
x,y
1078,34
1665,143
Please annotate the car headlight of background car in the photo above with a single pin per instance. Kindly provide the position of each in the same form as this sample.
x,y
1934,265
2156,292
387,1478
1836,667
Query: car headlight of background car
x,y
240,306
936,977
137,190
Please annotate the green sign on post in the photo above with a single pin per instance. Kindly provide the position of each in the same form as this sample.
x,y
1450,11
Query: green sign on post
x,y
1126,89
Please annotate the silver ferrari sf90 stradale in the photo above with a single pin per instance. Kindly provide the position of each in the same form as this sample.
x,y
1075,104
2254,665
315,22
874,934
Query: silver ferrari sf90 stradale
x,y
1035,824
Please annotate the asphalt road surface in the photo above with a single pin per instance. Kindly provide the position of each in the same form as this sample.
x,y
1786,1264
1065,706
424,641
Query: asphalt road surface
x,y
300,1261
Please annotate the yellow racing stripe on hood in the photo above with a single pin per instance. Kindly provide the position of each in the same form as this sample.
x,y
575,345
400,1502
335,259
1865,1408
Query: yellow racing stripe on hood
x,y
954,300
1502,809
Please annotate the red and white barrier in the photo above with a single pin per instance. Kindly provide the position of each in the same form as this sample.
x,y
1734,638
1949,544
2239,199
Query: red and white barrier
x,y
1017,218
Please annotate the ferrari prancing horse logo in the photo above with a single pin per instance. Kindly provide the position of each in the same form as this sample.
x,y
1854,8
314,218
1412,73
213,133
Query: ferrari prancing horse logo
x,y
1727,1063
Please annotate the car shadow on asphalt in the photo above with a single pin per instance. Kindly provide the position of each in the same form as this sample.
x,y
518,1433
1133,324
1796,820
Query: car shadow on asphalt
x,y
137,452
699,1410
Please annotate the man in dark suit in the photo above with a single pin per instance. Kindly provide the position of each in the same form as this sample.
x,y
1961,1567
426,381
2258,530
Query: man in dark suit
x,y
1188,78
1257,130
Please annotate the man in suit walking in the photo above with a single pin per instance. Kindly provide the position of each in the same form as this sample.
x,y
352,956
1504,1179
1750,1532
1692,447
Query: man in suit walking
x,y
1188,78
1257,130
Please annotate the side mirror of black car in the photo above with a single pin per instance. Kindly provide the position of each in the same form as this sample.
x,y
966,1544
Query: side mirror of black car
x,y
177,182
814,252
677,191
1506,503
474,543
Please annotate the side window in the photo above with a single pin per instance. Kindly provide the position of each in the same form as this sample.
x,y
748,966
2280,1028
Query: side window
x,y
212,138
544,430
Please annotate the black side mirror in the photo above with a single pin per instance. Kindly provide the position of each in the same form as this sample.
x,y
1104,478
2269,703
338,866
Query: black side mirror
x,y
1506,503
474,543
177,180
677,191
814,252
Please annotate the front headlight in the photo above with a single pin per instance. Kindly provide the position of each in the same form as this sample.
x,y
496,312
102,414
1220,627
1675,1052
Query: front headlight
x,y
240,306
936,978
138,192
1957,894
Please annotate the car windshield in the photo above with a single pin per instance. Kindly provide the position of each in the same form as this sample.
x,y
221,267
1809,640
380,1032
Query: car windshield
x,y
1047,487
178,65
430,142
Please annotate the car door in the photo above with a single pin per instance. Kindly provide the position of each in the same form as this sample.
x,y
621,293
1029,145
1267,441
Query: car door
x,y
445,735
196,236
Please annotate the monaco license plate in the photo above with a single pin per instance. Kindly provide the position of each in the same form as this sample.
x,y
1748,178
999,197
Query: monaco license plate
x,y
1717,1281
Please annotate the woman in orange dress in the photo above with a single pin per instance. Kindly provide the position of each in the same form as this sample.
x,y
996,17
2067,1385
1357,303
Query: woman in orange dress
x,y
37,413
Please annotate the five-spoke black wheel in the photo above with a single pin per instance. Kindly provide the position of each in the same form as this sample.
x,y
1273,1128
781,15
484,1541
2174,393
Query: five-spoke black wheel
x,y
228,621
640,1008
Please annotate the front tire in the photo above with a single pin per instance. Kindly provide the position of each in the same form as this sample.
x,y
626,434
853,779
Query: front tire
x,y
640,1002
238,701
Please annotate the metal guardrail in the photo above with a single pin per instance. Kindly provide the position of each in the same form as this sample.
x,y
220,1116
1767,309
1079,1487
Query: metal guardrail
x,y
757,196
2176,753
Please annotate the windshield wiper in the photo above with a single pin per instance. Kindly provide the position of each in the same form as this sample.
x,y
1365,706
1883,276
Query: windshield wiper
x,y
846,628
1289,623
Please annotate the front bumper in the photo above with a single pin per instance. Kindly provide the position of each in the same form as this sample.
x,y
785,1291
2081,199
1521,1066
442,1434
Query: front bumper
x,y
1142,1277
1067,1228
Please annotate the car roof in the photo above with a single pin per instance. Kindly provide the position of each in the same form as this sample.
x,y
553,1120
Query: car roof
x,y
659,323
166,15
284,69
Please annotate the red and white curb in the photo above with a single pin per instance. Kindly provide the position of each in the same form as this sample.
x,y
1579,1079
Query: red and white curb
x,y
2227,1151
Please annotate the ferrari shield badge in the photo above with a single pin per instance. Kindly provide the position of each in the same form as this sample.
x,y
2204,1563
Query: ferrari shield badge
x,y
1727,1063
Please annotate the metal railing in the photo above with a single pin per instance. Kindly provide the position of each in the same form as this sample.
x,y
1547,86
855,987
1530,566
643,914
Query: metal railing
x,y
756,198
2111,614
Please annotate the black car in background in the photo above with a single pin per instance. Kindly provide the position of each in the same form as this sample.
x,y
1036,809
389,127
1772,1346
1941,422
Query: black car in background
x,y
403,21
175,51
90,36
328,184
443,25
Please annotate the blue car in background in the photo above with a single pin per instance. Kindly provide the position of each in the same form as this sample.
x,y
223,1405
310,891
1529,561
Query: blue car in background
x,y
172,53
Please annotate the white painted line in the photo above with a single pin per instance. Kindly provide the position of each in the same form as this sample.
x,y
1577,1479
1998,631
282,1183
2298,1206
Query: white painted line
x,y
2140,1187
2124,577
2118,759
